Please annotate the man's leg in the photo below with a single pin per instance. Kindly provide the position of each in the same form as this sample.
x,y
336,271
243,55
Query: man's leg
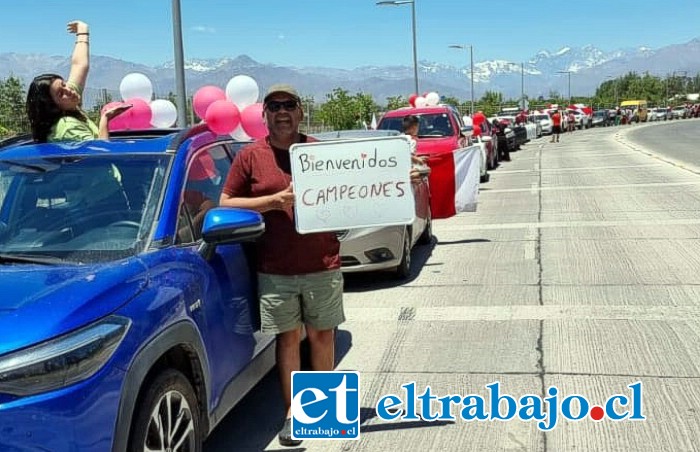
x,y
322,348
322,301
288,361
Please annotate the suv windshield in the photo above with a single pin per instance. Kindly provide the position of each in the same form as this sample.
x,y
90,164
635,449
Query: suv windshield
x,y
430,125
78,209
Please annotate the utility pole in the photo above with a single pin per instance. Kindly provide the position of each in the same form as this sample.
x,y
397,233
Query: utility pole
x,y
179,66
471,70
522,85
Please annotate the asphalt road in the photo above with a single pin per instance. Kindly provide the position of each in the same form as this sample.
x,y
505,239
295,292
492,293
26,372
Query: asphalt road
x,y
580,270
675,140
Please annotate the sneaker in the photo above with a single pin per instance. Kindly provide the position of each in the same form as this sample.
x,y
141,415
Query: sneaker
x,y
285,435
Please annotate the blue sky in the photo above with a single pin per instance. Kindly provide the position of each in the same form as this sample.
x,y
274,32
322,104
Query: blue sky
x,y
346,33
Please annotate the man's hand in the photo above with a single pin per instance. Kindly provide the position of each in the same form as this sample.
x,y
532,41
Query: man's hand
x,y
283,199
78,26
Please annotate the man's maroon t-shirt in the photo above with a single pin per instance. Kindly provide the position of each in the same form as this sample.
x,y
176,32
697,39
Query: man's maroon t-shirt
x,y
260,170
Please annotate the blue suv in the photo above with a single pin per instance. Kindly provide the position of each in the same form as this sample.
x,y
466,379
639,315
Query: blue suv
x,y
128,313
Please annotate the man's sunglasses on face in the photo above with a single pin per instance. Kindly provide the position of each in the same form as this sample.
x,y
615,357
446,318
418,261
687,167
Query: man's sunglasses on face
x,y
275,105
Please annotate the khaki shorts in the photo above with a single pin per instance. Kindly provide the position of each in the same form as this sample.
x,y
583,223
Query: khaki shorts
x,y
287,302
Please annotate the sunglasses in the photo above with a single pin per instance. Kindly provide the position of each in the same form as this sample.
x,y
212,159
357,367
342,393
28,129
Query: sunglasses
x,y
275,105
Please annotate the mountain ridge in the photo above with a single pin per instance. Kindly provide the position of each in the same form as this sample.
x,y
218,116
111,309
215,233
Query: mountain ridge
x,y
588,65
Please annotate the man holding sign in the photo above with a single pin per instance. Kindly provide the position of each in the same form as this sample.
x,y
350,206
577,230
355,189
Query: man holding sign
x,y
299,276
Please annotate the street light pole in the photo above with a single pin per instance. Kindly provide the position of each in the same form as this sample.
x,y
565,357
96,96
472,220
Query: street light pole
x,y
522,85
181,93
471,76
471,70
415,44
569,73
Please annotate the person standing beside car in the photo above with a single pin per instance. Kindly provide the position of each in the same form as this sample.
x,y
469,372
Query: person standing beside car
x,y
54,105
556,126
571,122
299,278
410,125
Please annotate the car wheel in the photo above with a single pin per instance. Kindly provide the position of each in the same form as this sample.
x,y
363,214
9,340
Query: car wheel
x,y
426,237
403,270
167,418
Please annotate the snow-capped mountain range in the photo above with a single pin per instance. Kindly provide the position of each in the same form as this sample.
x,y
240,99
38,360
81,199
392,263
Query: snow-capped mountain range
x,y
541,73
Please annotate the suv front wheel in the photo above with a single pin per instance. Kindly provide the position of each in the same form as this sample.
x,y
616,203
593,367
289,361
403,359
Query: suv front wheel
x,y
167,419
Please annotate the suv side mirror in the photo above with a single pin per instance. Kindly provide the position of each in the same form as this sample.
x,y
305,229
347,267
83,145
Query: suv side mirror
x,y
225,225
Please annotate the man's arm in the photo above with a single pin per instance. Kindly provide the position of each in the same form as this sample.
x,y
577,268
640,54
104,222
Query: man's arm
x,y
278,201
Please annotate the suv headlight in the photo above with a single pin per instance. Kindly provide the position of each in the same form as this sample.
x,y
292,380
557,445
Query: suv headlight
x,y
62,361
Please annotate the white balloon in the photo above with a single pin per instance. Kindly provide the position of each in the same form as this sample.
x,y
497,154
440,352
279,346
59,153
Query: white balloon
x,y
242,91
136,86
421,102
164,113
433,98
240,135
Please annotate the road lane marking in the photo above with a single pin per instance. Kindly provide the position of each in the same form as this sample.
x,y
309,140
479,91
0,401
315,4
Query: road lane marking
x,y
531,312
581,168
592,187
567,224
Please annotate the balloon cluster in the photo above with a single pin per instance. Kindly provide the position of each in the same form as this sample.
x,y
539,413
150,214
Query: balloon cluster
x,y
235,110
430,99
137,90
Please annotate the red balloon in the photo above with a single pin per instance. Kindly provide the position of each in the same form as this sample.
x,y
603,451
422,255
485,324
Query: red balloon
x,y
412,100
118,122
222,117
204,97
252,121
139,116
477,131
478,118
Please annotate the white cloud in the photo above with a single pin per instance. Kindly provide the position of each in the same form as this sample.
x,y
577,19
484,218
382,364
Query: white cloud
x,y
203,29
280,37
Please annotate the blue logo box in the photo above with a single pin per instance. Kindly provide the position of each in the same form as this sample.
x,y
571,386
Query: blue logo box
x,y
325,405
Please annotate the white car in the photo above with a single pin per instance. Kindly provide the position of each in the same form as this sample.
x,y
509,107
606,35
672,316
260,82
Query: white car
x,y
544,120
384,247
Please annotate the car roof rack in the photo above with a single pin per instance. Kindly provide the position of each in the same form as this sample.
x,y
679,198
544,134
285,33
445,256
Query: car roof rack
x,y
144,133
180,135
17,140
184,134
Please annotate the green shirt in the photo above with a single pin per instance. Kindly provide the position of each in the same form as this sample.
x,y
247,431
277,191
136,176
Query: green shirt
x,y
69,128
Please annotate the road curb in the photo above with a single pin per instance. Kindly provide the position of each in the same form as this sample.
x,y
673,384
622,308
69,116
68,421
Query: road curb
x,y
621,137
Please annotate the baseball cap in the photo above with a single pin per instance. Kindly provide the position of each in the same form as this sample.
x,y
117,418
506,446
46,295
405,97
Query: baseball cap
x,y
282,88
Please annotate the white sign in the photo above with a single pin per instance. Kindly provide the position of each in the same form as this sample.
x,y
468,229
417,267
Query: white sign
x,y
352,184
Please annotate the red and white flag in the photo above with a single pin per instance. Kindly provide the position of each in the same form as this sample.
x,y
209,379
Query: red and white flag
x,y
454,181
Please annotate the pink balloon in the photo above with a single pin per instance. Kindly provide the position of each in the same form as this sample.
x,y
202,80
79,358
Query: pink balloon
x,y
252,121
222,117
204,97
139,116
119,122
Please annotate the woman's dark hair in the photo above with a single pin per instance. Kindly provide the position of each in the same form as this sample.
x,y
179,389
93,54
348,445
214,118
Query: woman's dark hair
x,y
42,111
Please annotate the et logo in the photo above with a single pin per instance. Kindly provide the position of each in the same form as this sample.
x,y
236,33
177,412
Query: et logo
x,y
326,405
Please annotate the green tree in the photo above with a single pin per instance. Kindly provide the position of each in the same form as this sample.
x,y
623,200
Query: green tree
x,y
342,111
396,102
450,100
490,102
13,117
